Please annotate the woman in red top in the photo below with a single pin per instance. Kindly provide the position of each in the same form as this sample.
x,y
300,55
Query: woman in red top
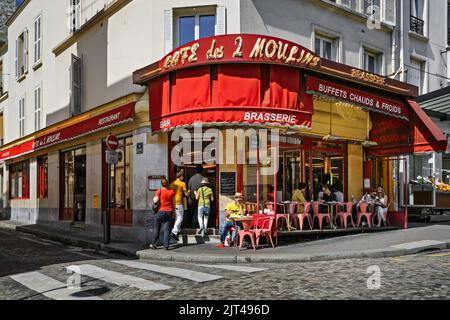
x,y
164,216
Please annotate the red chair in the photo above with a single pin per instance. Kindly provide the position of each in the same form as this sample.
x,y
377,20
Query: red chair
x,y
385,215
251,208
364,212
266,230
283,217
242,234
344,215
321,216
299,218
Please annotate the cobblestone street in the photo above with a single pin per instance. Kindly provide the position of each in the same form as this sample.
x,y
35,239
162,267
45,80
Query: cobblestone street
x,y
26,261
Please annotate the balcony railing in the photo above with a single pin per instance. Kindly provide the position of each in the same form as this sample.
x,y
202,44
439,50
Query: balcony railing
x,y
416,25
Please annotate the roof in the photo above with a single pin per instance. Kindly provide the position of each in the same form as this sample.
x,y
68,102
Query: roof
x,y
436,102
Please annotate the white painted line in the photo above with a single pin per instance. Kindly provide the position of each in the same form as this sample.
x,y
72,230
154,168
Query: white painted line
x,y
233,268
417,246
176,272
49,287
117,278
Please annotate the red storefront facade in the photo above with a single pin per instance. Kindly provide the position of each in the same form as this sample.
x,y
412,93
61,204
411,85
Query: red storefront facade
x,y
262,82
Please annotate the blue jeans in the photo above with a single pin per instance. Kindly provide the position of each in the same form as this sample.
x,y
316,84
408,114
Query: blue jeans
x,y
162,220
226,228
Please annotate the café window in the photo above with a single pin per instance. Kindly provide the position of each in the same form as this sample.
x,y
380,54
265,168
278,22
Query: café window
x,y
19,180
43,177
121,176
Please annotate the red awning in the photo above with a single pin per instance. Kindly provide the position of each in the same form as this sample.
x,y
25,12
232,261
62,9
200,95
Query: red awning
x,y
426,135
100,122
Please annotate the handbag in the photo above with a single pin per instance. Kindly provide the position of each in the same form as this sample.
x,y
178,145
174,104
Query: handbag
x,y
157,204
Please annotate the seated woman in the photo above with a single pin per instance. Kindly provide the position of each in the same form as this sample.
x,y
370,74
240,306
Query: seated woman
x,y
299,195
233,209
381,206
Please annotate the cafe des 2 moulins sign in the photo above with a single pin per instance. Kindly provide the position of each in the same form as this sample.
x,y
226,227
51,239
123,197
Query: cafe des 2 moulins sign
x,y
239,48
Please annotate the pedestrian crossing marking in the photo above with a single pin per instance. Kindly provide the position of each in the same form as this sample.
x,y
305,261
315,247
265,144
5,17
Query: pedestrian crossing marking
x,y
50,288
176,272
117,278
233,268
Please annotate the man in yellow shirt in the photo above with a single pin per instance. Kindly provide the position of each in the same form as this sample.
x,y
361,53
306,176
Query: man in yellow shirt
x,y
236,208
180,189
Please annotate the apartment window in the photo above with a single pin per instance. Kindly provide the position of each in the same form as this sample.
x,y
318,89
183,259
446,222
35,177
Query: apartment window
x,y
372,8
37,40
21,58
326,47
194,27
22,117
19,180
372,61
37,108
417,17
76,85
43,177
75,15
416,74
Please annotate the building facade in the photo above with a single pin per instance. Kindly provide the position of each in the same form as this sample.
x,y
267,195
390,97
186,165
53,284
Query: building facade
x,y
71,67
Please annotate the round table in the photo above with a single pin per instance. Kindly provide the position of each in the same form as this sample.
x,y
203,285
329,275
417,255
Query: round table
x,y
246,222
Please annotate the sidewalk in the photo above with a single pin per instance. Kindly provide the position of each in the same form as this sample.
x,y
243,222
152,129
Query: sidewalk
x,y
367,245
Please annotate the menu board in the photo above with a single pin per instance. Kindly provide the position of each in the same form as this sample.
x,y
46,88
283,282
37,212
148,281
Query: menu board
x,y
228,183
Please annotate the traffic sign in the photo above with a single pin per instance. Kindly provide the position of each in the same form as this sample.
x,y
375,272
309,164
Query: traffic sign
x,y
112,157
112,143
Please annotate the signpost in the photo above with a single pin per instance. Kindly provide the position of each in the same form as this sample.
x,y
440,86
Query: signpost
x,y
112,158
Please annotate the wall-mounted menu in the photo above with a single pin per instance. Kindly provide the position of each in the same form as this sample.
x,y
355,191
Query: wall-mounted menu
x,y
228,183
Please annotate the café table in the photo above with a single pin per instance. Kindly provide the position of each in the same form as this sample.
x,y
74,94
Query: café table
x,y
246,221
333,206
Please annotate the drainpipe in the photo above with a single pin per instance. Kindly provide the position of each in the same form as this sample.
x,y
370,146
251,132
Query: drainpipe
x,y
402,41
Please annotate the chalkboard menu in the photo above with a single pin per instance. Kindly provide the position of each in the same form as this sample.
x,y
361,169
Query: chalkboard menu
x,y
228,183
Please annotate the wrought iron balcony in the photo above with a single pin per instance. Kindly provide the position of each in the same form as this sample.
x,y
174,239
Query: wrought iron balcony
x,y
416,25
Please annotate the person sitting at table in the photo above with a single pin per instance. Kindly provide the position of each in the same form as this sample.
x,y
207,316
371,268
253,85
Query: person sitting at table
x,y
234,209
337,190
299,195
327,197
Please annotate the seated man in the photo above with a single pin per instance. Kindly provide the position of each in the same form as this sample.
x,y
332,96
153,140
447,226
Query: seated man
x,y
233,209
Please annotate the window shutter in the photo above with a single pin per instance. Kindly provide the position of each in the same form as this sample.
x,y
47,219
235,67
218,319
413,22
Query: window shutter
x,y
78,14
17,58
168,30
389,12
25,50
76,85
221,21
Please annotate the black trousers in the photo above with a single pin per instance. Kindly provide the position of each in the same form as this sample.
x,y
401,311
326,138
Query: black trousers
x,y
193,213
162,221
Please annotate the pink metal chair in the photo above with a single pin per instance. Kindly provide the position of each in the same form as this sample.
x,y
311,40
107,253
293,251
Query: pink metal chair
x,y
281,218
344,215
251,208
321,216
299,218
241,236
265,230
364,212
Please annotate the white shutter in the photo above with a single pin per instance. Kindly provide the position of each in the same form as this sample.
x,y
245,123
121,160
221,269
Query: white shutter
x,y
17,58
389,12
25,51
78,14
168,30
221,21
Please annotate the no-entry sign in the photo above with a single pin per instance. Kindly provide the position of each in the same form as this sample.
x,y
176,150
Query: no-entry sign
x,y
112,143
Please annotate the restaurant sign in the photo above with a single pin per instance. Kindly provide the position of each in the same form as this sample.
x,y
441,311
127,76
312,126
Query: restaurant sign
x,y
71,132
365,100
239,48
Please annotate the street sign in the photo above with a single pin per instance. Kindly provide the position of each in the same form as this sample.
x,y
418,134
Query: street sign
x,y
112,143
112,157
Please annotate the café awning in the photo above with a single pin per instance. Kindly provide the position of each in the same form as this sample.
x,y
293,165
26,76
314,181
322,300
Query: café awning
x,y
84,125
